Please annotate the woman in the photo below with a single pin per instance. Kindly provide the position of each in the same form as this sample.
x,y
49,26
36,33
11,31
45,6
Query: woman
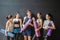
x,y
9,26
39,20
48,24
39,24
27,31
17,26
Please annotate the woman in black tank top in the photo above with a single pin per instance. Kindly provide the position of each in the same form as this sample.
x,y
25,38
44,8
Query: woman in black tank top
x,y
17,26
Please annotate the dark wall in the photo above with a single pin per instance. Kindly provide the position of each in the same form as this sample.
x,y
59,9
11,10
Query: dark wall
x,y
45,6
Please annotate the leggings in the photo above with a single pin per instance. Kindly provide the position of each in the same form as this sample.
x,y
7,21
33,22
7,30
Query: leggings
x,y
9,38
17,36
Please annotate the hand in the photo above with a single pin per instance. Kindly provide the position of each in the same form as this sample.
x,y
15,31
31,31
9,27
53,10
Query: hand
x,y
46,27
29,23
20,31
6,34
36,30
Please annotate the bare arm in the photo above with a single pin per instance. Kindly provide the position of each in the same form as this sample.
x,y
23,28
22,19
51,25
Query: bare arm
x,y
53,26
31,24
20,22
7,24
40,26
24,20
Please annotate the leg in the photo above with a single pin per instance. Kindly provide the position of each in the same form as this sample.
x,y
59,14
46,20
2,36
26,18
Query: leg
x,y
37,38
8,38
15,37
34,37
25,37
29,37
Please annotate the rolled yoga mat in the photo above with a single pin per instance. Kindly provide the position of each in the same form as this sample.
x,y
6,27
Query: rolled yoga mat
x,y
26,24
37,33
9,33
49,32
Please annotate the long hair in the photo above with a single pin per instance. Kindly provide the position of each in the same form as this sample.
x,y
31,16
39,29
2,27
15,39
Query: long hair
x,y
51,16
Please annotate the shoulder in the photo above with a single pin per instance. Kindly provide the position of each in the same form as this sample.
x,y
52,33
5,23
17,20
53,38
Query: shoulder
x,y
45,20
7,22
25,17
14,19
51,21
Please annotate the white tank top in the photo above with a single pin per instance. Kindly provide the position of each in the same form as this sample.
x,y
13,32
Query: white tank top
x,y
39,20
10,27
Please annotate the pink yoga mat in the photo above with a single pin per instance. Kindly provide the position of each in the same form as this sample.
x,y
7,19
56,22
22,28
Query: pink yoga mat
x,y
37,33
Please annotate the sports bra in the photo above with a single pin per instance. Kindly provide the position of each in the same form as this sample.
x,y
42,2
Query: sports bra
x,y
16,21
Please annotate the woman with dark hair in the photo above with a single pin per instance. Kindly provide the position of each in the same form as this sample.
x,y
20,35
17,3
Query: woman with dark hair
x,y
27,31
39,20
39,23
17,26
48,26
9,26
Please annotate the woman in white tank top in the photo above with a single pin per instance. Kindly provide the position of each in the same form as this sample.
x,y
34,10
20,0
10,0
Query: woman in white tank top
x,y
9,26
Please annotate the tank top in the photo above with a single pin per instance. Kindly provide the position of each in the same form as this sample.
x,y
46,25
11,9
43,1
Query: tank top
x,y
39,20
10,28
48,23
29,27
16,21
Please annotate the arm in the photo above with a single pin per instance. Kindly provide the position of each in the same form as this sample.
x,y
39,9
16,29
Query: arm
x,y
20,22
24,20
40,26
7,24
53,26
31,24
44,26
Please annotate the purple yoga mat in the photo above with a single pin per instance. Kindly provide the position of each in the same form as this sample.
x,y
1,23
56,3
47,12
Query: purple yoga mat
x,y
49,32
37,33
25,25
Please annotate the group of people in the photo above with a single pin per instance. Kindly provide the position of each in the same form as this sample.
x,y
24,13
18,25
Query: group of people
x,y
15,25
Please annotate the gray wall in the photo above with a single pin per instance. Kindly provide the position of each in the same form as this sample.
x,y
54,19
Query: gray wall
x,y
12,6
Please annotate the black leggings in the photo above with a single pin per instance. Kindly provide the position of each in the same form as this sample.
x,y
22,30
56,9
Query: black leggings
x,y
9,38
37,38
17,36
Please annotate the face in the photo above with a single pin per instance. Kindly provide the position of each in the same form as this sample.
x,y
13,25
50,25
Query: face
x,y
47,17
18,15
33,19
11,19
38,15
29,13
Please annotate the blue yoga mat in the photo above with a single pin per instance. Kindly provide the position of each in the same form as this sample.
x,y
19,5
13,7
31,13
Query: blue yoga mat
x,y
9,33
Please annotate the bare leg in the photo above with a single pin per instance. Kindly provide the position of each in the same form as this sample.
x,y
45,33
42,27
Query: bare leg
x,y
10,38
25,37
29,37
